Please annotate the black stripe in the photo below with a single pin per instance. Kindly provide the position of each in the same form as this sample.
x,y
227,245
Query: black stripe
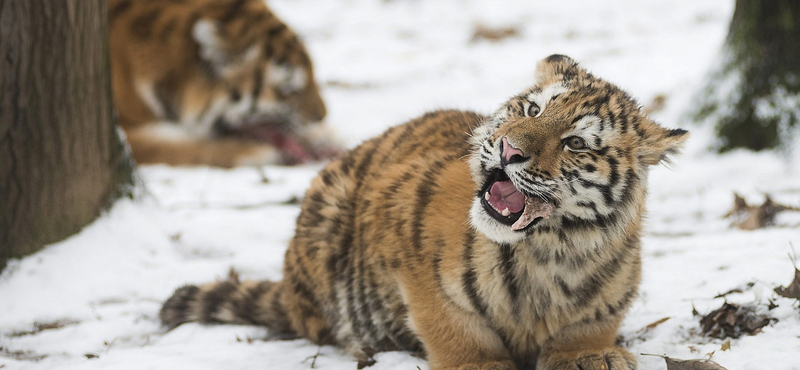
x,y
626,194
591,286
375,307
311,215
164,91
350,292
299,277
613,163
327,177
391,190
623,302
142,25
176,309
258,81
364,164
508,269
676,132
232,11
424,192
370,331
118,9
214,299
245,308
276,30
405,132
167,30
470,277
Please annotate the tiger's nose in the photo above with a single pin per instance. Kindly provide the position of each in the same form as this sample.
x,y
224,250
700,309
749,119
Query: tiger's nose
x,y
510,154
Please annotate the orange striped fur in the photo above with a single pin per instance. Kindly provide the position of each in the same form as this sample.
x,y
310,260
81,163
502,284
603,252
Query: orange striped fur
x,y
400,245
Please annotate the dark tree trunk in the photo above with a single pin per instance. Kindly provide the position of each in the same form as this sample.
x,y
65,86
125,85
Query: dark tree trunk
x,y
62,160
754,97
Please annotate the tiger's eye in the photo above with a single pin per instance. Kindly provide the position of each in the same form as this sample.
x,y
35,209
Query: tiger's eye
x,y
576,143
534,110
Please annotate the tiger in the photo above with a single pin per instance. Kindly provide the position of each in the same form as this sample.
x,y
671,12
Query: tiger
x,y
510,241
214,82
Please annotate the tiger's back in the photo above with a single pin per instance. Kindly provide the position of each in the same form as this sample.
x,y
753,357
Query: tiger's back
x,y
498,242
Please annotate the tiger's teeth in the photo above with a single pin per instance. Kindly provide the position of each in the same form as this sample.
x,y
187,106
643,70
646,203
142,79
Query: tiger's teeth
x,y
487,195
505,212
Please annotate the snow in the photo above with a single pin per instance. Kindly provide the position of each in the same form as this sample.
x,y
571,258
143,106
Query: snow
x,y
381,63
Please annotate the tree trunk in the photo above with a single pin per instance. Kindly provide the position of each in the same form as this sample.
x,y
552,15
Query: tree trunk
x,y
754,97
62,160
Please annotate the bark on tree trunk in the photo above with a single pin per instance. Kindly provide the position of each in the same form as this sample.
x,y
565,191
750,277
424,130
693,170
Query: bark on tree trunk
x,y
754,97
62,160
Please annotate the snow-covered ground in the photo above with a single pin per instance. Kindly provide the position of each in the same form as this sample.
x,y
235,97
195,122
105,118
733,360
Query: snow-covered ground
x,y
380,63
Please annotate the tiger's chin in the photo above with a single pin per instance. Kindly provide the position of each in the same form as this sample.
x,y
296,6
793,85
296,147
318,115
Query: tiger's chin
x,y
503,213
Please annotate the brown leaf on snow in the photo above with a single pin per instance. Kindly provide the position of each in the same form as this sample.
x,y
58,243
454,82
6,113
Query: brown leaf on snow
x,y
39,327
733,321
483,32
641,334
793,290
676,364
747,217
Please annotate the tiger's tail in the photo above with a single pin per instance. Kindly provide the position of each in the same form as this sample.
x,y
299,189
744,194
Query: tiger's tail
x,y
229,302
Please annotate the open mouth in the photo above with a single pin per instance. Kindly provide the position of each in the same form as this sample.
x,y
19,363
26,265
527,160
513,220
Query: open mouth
x,y
509,206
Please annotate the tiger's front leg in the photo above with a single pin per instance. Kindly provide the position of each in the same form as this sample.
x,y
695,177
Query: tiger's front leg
x,y
454,339
586,352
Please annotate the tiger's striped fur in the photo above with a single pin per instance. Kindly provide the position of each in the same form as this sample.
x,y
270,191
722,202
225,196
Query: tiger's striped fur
x,y
398,244
188,74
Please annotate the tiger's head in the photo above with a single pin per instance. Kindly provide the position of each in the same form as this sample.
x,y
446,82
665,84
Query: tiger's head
x,y
572,149
256,70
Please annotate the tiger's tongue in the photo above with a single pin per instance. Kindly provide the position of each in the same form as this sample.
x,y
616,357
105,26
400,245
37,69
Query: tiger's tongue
x,y
503,194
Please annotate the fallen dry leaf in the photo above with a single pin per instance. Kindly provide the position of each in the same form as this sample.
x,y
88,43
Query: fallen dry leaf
x,y
747,217
736,290
641,333
733,321
676,364
793,290
483,32
39,327
658,322
726,346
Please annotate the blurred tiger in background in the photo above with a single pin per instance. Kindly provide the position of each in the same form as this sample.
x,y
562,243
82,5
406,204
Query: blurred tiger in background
x,y
214,82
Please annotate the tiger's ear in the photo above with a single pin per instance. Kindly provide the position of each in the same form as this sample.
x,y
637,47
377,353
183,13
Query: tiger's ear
x,y
553,66
216,50
657,144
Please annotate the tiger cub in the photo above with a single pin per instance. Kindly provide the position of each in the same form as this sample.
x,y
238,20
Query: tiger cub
x,y
217,82
502,242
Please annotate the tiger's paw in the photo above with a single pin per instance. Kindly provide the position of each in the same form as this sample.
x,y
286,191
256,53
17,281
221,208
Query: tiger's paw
x,y
493,365
614,358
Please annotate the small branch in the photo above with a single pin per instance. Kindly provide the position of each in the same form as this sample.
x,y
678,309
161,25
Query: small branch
x,y
313,358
